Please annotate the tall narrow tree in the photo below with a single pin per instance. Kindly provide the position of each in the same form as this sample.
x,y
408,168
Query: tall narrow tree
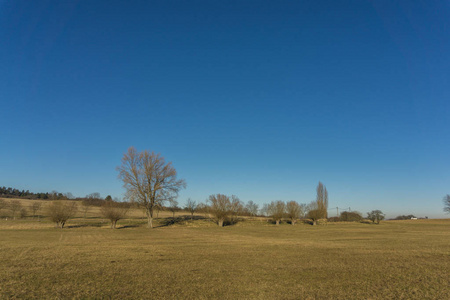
x,y
322,200
149,180
318,209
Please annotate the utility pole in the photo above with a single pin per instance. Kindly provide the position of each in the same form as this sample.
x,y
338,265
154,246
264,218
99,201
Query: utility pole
x,y
337,211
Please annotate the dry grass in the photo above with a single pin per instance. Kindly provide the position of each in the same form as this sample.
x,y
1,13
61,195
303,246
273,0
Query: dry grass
x,y
194,259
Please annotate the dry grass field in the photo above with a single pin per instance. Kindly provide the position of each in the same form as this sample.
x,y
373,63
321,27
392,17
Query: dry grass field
x,y
251,260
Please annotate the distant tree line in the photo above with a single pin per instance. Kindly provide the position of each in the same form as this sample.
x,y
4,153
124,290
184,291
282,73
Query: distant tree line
x,y
93,199
8,192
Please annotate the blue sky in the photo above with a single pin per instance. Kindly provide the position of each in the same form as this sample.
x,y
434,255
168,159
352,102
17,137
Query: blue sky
x,y
261,99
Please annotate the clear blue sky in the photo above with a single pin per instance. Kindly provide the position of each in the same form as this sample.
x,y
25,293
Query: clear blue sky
x,y
261,99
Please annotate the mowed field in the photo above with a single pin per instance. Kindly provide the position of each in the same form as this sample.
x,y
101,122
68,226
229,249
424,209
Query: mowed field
x,y
198,260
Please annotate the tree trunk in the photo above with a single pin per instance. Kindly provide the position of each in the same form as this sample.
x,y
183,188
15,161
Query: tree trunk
x,y
62,225
293,222
314,222
277,222
220,222
149,218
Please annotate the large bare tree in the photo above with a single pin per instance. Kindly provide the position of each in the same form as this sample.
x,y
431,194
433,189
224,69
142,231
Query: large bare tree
x,y
149,180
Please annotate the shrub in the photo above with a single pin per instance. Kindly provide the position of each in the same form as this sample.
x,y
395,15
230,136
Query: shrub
x,y
114,211
315,215
220,207
23,212
294,211
15,206
351,216
3,204
35,207
277,210
334,219
61,211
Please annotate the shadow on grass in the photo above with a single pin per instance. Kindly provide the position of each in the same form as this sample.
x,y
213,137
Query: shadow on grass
x,y
178,220
84,225
129,226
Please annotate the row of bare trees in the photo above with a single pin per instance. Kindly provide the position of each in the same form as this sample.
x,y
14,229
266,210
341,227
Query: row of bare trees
x,y
151,182
225,208
61,211
294,211
14,208
250,209
279,210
